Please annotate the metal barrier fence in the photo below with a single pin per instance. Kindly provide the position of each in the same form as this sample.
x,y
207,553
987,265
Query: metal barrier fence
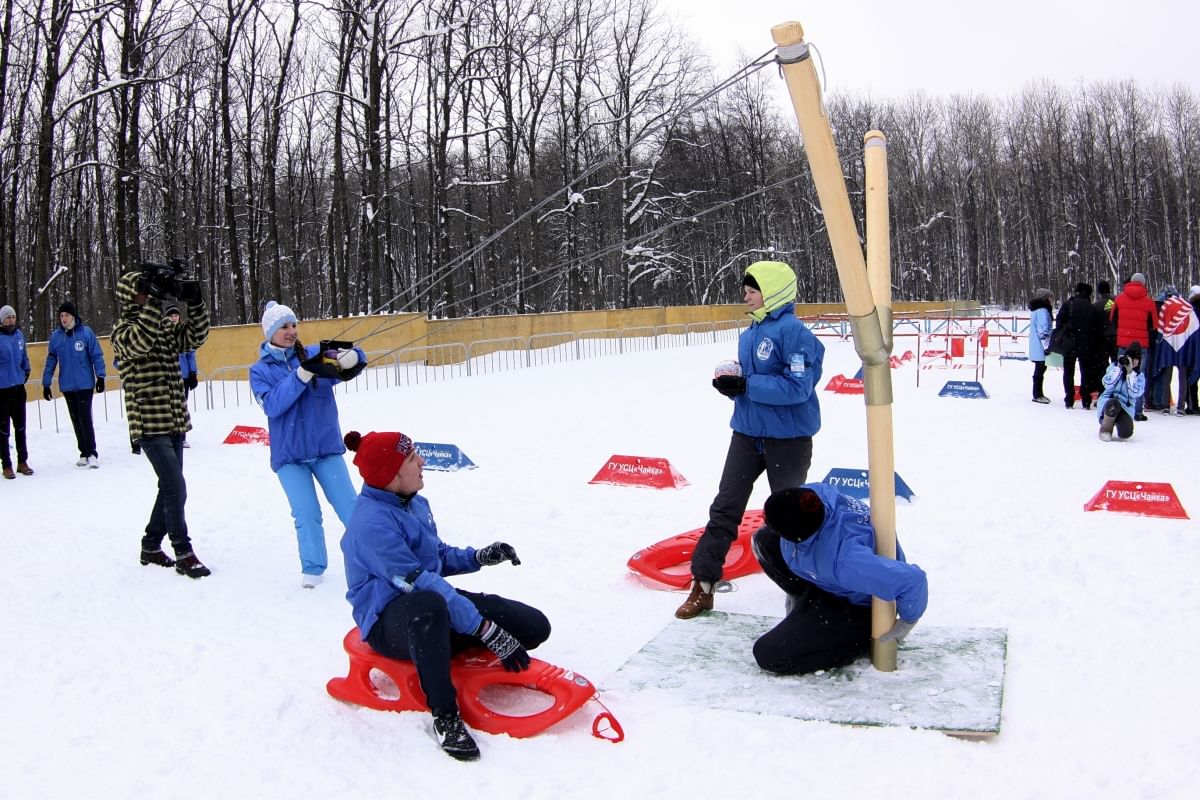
x,y
227,387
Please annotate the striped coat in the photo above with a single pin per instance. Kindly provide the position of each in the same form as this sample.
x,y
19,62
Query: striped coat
x,y
147,347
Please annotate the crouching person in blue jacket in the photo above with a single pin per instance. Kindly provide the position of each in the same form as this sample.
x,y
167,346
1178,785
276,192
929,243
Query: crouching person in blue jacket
x,y
396,569
1124,384
819,546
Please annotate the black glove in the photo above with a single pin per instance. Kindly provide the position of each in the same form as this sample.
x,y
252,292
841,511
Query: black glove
x,y
730,385
190,381
46,393
496,553
99,383
506,647
321,366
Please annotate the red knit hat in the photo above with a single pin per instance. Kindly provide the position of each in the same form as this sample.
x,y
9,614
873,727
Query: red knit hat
x,y
379,456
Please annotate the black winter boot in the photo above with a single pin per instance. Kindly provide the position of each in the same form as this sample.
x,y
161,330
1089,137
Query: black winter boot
x,y
190,565
453,736
157,557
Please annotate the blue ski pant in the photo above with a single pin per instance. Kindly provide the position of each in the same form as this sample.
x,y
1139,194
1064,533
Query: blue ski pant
x,y
298,480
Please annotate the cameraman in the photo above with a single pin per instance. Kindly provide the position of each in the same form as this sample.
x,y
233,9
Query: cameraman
x,y
148,346
1123,386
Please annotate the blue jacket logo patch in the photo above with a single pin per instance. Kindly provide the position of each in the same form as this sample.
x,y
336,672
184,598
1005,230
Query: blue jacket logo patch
x,y
765,348
796,363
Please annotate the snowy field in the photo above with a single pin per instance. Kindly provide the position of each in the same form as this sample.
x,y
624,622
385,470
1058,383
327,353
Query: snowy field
x,y
120,681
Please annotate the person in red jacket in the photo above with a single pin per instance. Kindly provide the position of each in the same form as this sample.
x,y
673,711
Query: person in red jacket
x,y
1135,318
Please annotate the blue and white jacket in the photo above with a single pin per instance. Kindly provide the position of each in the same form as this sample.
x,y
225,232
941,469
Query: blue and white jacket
x,y
781,360
840,558
77,354
14,361
391,547
1125,391
302,418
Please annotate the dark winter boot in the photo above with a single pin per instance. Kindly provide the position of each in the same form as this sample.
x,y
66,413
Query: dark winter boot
x,y
157,557
700,599
453,736
190,565
1109,420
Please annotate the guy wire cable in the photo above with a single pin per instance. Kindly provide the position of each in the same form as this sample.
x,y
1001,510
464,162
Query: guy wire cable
x,y
557,271
437,275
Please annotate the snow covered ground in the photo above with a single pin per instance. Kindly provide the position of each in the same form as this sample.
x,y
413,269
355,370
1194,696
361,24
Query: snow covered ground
x,y
119,680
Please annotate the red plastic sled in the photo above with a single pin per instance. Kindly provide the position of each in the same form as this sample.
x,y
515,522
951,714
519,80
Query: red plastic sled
x,y
668,562
472,671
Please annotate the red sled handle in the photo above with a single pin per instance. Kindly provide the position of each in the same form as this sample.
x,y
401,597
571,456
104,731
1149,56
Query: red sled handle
x,y
613,732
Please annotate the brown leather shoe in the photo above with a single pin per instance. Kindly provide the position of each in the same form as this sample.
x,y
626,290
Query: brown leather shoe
x,y
8,473
698,600
24,469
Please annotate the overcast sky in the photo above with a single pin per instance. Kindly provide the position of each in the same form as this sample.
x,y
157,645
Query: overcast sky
x,y
889,48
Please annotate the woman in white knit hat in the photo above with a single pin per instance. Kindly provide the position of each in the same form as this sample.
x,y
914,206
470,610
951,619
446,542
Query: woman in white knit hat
x,y
294,385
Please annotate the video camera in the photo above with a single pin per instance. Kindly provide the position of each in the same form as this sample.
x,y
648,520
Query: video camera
x,y
170,280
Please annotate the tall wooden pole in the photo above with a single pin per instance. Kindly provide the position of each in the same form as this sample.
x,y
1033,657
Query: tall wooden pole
x,y
869,341
880,445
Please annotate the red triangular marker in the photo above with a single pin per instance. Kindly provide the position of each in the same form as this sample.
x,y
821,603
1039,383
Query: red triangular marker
x,y
1136,497
246,434
638,471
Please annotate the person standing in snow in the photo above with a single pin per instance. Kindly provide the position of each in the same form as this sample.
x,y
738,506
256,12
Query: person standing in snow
x,y
775,415
1104,304
147,346
1040,328
1082,331
1135,316
14,372
294,385
75,352
187,363
818,545
1124,384
396,569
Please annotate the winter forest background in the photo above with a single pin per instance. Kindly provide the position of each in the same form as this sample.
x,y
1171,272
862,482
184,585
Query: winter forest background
x,y
464,157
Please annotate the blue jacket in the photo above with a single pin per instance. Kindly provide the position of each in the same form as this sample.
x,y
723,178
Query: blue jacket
x,y
1039,334
840,558
302,418
187,363
78,357
1125,391
14,361
781,360
391,548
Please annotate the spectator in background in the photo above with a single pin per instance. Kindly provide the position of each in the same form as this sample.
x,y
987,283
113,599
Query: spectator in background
x,y
1158,364
75,352
1179,348
1133,315
776,413
1104,304
187,364
148,347
1081,331
14,372
1193,375
1040,326
294,385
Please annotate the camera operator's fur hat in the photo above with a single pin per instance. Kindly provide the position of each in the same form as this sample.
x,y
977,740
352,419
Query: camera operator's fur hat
x,y
275,316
